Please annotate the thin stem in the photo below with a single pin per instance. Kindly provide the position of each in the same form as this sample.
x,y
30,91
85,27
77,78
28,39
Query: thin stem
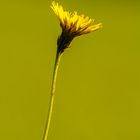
x,y
57,60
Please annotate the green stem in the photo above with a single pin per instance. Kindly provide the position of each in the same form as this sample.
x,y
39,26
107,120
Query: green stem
x,y
57,60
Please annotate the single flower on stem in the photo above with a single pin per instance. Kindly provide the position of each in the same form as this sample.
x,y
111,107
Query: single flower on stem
x,y
72,25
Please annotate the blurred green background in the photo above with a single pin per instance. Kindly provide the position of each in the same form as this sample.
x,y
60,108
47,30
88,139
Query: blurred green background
x,y
98,84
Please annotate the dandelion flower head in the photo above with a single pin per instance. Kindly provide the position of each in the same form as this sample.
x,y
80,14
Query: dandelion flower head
x,y
72,24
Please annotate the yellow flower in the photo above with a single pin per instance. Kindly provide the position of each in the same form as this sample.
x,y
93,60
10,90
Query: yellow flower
x,y
72,25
